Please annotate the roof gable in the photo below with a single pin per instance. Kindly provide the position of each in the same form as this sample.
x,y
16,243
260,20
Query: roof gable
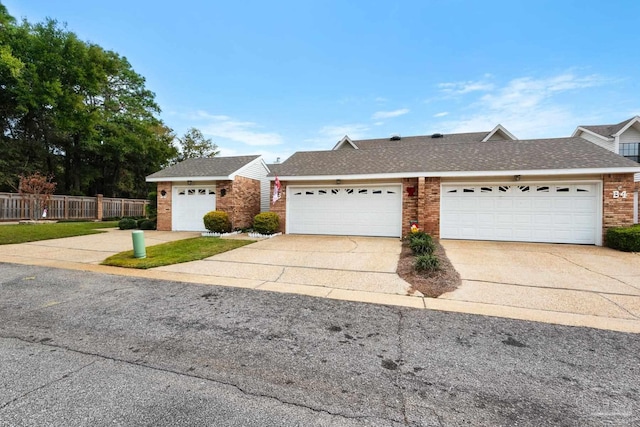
x,y
345,142
607,132
215,168
499,133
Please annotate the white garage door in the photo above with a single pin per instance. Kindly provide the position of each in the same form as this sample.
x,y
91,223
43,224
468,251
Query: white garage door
x,y
554,213
367,210
189,205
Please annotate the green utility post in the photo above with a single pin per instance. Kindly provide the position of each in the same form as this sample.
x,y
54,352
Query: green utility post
x,y
139,250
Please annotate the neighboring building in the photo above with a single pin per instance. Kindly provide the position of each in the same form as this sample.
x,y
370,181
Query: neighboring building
x,y
479,186
193,187
622,138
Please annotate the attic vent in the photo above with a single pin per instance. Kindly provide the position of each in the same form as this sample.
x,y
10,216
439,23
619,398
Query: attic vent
x,y
437,135
395,138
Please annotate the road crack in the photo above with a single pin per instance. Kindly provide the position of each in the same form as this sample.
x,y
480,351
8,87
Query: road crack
x,y
188,375
43,386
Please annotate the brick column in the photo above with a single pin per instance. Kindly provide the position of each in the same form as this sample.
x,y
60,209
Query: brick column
x,y
280,207
409,203
617,212
429,205
164,205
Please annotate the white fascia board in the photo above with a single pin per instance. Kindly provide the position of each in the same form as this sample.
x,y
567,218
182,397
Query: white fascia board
x,y
581,129
502,129
345,140
248,165
447,174
190,178
636,119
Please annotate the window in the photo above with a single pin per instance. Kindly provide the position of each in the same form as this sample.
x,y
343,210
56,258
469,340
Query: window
x,y
630,150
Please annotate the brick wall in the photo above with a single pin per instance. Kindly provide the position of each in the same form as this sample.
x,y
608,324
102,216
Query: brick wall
x,y
164,206
280,207
429,205
409,203
617,212
241,200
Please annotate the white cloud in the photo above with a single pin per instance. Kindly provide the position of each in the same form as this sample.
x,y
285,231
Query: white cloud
x,y
461,88
222,126
329,135
442,114
380,115
528,107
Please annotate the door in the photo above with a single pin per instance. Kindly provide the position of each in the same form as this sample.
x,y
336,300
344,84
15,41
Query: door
x,y
189,205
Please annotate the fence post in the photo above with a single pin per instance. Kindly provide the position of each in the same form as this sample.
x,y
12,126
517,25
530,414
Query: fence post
x,y
66,207
99,207
121,208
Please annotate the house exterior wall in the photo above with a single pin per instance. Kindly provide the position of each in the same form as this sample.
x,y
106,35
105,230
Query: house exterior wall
x,y
429,215
257,170
617,212
164,205
241,200
409,204
280,206
630,135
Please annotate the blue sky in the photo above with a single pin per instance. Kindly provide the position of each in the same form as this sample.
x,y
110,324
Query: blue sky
x,y
277,77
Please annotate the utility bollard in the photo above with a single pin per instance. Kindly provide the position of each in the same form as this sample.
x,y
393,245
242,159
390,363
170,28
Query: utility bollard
x,y
139,250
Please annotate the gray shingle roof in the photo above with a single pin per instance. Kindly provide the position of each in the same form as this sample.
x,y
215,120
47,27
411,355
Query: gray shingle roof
x,y
368,144
204,167
607,130
539,154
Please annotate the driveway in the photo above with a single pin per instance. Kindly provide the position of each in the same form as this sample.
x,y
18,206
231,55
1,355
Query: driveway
x,y
319,265
569,284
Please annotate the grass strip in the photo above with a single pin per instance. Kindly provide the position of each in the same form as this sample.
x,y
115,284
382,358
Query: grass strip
x,y
21,233
176,252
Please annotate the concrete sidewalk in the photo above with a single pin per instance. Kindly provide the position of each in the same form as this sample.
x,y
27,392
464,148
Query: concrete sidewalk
x,y
593,287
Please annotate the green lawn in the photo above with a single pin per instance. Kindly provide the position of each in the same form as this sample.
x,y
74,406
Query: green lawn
x,y
176,252
20,233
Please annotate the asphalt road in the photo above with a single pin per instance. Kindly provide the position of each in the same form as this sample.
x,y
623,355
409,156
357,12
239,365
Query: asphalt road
x,y
84,349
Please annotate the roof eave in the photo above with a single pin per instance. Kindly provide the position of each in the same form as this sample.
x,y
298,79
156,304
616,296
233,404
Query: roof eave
x,y
471,174
590,132
188,178
631,122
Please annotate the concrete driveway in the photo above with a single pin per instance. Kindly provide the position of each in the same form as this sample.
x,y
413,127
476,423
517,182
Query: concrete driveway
x,y
569,284
317,265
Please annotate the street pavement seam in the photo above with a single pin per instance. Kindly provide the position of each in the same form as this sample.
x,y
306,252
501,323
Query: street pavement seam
x,y
619,306
592,271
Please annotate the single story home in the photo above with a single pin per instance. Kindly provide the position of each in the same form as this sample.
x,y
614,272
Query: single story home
x,y
478,186
189,189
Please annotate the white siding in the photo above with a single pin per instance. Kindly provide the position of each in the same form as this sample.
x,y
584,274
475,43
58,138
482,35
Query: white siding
x,y
630,135
609,145
257,170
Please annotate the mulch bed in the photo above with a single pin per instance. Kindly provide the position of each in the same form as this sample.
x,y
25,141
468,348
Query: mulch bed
x,y
430,284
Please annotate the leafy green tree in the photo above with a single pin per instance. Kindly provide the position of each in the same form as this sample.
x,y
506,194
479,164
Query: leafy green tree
x,y
194,145
76,111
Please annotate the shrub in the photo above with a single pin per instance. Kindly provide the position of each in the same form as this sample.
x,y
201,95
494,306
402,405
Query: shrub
x,y
217,222
127,224
625,239
421,243
147,224
266,223
139,222
426,262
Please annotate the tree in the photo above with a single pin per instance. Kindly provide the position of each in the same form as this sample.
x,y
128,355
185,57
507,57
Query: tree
x,y
37,189
74,110
193,145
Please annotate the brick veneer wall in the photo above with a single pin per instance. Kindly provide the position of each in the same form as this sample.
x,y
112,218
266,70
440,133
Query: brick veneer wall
x,y
164,206
429,205
409,204
617,212
280,207
241,200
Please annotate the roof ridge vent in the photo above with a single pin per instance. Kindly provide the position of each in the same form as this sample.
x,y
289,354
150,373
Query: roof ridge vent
x,y
395,138
437,135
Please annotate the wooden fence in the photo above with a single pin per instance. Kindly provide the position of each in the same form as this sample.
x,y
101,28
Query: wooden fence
x,y
14,207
